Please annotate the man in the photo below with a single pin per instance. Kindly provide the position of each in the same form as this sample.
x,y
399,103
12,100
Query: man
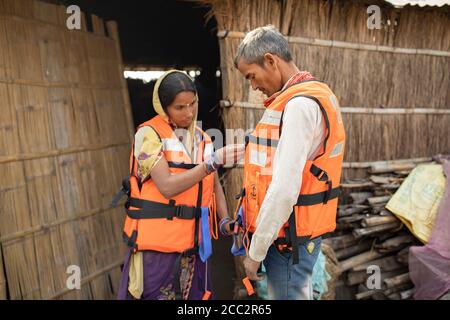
x,y
292,166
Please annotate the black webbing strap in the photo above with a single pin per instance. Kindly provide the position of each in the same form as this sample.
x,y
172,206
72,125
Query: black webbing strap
x,y
157,210
130,241
320,197
246,139
287,239
294,240
322,175
181,165
318,173
123,191
263,141
197,218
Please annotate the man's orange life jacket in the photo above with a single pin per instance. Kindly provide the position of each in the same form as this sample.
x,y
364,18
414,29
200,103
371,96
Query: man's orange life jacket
x,y
156,223
315,211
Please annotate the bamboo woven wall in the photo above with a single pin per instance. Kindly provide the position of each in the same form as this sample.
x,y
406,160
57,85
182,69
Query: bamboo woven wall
x,y
65,127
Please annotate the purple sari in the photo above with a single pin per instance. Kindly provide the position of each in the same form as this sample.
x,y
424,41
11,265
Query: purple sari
x,y
159,279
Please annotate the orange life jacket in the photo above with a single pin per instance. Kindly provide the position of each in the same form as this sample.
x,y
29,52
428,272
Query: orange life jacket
x,y
156,223
315,211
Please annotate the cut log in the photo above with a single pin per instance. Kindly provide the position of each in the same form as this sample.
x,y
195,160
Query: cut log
x,y
353,250
385,212
354,209
396,242
402,295
384,180
360,197
378,200
377,220
379,192
403,256
358,277
386,264
380,179
397,280
376,229
401,287
340,242
359,259
403,172
344,226
357,184
392,167
390,186
352,218
365,294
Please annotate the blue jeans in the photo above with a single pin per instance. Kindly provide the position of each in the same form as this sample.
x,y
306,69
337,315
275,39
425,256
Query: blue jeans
x,y
286,281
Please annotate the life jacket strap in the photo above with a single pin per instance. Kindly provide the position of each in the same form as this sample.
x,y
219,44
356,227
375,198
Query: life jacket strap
x,y
156,210
319,197
123,191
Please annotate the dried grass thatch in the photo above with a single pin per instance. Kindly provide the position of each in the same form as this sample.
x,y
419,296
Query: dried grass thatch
x,y
63,152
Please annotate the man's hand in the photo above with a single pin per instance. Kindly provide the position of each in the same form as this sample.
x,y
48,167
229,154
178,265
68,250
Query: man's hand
x,y
251,267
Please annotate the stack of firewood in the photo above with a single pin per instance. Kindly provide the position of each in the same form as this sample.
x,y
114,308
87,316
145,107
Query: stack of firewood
x,y
370,243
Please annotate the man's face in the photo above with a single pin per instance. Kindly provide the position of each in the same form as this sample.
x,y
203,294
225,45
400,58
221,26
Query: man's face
x,y
265,78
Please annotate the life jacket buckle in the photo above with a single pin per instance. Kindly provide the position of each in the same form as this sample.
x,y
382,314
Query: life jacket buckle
x,y
181,212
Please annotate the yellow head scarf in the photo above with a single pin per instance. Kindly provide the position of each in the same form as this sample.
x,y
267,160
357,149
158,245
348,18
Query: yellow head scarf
x,y
189,143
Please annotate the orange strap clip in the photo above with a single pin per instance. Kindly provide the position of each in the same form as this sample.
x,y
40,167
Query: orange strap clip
x,y
206,295
248,286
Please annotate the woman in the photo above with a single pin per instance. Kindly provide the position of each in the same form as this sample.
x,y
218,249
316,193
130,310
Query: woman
x,y
173,191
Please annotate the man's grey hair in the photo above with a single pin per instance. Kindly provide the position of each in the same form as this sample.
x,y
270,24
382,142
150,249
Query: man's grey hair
x,y
260,41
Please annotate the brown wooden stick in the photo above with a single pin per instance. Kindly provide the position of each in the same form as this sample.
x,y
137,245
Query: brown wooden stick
x,y
353,250
377,220
396,241
359,259
372,230
397,280
386,264
378,200
340,242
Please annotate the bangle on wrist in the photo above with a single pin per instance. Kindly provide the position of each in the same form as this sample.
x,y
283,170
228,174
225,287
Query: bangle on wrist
x,y
222,224
211,166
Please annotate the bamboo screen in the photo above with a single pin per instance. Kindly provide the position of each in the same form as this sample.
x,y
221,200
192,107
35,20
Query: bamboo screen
x,y
65,126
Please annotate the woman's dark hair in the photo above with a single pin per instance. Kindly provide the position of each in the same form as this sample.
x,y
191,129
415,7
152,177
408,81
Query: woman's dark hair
x,y
172,85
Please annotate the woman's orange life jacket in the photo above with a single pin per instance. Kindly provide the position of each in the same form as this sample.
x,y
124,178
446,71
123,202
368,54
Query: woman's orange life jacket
x,y
156,223
315,211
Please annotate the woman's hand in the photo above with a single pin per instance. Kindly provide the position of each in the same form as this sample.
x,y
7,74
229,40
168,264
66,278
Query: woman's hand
x,y
230,154
224,226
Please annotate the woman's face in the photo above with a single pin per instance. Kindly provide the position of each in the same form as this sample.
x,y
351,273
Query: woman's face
x,y
183,108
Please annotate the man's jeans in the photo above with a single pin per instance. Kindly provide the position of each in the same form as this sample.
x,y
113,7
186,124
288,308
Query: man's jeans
x,y
286,281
